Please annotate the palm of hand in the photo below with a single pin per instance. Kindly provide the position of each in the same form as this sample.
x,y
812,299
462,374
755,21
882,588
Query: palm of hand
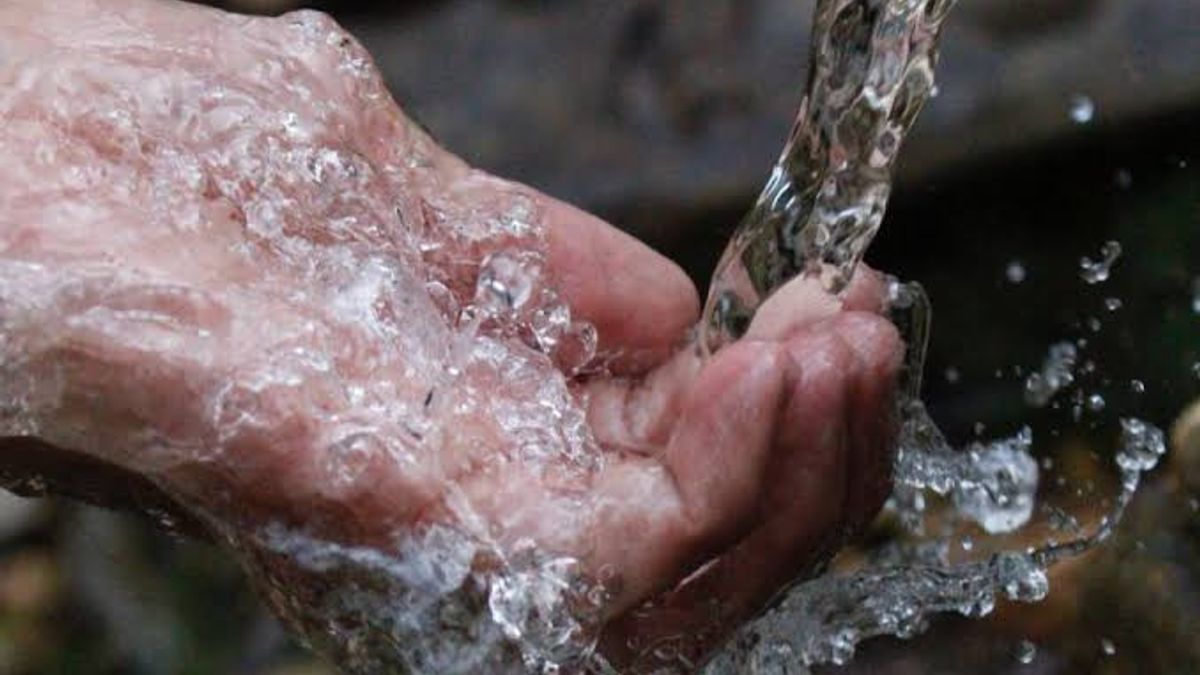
x,y
252,280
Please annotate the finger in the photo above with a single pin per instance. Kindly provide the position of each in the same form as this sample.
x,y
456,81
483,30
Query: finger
x,y
636,414
832,436
723,594
641,303
873,421
804,301
711,473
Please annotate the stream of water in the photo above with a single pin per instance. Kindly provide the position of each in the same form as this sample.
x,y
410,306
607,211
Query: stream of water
x,y
872,69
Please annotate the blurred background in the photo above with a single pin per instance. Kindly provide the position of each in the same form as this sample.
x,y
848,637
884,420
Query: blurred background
x,y
1059,125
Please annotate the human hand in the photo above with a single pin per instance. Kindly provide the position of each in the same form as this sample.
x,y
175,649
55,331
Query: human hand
x,y
232,271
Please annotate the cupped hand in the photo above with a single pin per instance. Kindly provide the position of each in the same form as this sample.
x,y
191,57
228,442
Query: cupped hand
x,y
232,270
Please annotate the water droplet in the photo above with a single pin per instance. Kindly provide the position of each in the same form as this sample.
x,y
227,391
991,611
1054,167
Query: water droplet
x,y
967,543
1096,403
1095,272
506,282
1026,652
1123,179
1138,387
1094,324
953,375
1015,272
1107,646
1083,109
1113,304
1196,295
1196,369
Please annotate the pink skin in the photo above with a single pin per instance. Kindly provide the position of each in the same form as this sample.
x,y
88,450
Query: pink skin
x,y
752,466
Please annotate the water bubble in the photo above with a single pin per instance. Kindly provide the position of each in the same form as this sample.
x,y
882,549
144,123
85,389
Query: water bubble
x,y
1095,272
1113,304
505,282
1015,272
1137,386
1107,646
549,324
953,375
1196,369
1083,109
1096,403
1026,652
1196,295
966,543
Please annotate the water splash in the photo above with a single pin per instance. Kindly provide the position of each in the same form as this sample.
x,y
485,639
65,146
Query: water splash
x,y
1107,647
899,588
992,484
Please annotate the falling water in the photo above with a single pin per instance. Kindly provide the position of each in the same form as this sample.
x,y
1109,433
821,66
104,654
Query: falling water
x,y
871,71
451,601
